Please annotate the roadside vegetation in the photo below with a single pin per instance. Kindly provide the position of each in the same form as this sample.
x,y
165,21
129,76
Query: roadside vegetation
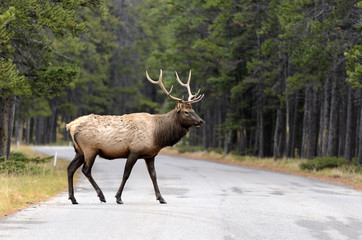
x,y
27,178
331,169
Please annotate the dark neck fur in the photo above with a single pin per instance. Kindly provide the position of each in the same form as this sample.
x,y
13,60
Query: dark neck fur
x,y
168,130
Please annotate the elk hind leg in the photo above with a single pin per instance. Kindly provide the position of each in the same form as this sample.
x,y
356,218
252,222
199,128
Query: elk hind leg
x,y
87,171
72,167
131,160
152,171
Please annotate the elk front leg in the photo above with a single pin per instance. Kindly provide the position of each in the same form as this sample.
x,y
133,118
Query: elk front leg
x,y
131,160
150,162
72,167
87,171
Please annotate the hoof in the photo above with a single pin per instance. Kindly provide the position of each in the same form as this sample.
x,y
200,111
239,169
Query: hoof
x,y
73,200
162,201
119,201
101,197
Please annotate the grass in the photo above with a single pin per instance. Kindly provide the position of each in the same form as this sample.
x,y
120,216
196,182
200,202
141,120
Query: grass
x,y
20,190
348,175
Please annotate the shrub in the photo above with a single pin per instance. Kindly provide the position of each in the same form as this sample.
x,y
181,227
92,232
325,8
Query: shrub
x,y
19,163
319,163
352,168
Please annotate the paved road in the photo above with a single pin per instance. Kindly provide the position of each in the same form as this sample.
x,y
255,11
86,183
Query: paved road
x,y
206,200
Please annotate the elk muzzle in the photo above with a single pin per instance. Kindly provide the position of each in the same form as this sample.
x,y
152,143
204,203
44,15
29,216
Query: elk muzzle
x,y
199,124
198,121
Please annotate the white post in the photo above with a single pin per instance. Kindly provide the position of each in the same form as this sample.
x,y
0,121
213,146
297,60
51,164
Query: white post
x,y
55,158
17,145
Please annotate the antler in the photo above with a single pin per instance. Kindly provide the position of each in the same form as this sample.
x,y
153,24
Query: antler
x,y
159,83
192,98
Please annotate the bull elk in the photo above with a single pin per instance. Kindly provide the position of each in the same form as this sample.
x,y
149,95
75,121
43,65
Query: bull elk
x,y
131,136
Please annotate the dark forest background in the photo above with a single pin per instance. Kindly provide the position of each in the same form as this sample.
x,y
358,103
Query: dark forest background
x,y
281,78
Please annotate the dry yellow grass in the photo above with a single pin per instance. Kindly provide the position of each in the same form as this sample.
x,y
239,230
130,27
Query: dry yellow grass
x,y
18,191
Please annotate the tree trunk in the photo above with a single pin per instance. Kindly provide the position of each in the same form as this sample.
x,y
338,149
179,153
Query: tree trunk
x,y
4,124
333,120
360,137
242,140
219,120
342,123
306,121
27,131
4,118
308,138
40,130
205,139
323,122
19,128
227,142
313,124
10,124
261,129
278,135
287,127
348,147
53,126
290,124
260,132
294,125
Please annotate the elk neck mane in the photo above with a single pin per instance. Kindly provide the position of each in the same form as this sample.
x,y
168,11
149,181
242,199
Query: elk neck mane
x,y
168,130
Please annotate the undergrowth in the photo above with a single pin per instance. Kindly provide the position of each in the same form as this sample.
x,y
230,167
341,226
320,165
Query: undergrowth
x,y
319,163
19,163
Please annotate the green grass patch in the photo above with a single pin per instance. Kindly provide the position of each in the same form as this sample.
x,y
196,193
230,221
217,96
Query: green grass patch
x,y
20,164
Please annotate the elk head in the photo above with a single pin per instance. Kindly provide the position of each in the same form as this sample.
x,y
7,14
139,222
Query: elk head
x,y
186,114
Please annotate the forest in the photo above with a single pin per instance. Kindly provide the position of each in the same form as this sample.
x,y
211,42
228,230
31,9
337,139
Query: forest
x,y
281,78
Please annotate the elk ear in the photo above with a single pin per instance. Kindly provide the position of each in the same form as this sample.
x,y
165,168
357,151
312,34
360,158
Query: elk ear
x,y
179,106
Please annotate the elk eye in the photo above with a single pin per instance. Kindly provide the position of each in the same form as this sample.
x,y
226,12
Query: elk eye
x,y
186,112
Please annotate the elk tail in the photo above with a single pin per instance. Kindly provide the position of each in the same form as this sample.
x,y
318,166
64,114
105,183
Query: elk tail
x,y
72,130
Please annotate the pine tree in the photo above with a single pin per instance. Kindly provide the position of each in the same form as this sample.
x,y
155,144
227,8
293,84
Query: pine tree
x,y
28,58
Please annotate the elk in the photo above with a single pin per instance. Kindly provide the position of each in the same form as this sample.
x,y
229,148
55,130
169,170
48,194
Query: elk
x,y
132,136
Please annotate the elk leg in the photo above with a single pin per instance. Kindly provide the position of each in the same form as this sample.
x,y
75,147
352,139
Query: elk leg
x,y
131,160
87,169
151,170
72,167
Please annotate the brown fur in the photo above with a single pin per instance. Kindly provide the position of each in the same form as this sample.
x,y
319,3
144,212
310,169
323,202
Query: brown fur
x,y
113,136
170,133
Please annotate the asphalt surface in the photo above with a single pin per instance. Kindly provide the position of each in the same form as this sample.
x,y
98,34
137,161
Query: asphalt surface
x,y
206,200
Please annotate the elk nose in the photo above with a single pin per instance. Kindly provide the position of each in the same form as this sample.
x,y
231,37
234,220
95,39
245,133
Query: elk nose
x,y
201,122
